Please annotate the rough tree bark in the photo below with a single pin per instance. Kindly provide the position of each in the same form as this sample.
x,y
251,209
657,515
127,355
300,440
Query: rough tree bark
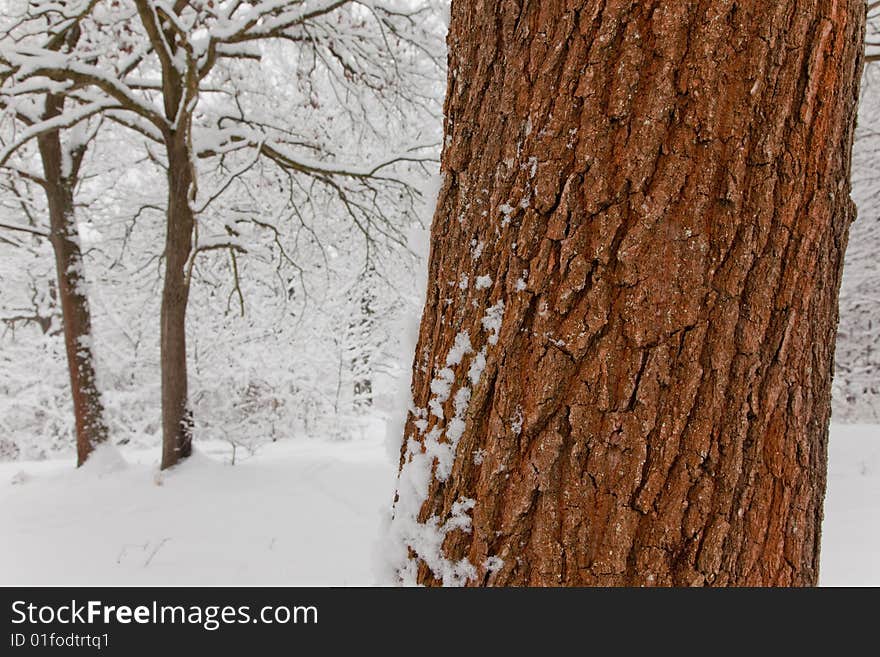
x,y
641,230
60,172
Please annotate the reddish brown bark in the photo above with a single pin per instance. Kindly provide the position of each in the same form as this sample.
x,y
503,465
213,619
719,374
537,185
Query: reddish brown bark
x,y
659,194
59,181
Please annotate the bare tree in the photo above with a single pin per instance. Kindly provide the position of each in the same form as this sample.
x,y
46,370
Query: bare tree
x,y
61,160
165,77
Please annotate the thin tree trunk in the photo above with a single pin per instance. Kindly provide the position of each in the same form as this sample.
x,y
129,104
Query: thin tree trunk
x,y
178,95
638,391
88,409
176,415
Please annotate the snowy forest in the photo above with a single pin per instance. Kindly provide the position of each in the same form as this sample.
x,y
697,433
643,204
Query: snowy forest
x,y
215,230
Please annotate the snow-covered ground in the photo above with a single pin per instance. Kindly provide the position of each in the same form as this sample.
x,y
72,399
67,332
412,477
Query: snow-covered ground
x,y
297,513
851,532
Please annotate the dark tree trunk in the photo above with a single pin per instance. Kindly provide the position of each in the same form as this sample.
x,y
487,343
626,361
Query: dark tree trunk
x,y
176,415
658,195
88,409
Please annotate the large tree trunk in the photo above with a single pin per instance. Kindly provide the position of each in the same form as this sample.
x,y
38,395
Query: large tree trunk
x,y
60,172
176,415
639,392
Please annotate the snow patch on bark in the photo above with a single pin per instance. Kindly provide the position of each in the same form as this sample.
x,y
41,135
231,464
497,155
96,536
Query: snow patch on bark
x,y
427,542
493,564
492,320
441,385
506,210
460,348
430,456
478,364
517,423
410,539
